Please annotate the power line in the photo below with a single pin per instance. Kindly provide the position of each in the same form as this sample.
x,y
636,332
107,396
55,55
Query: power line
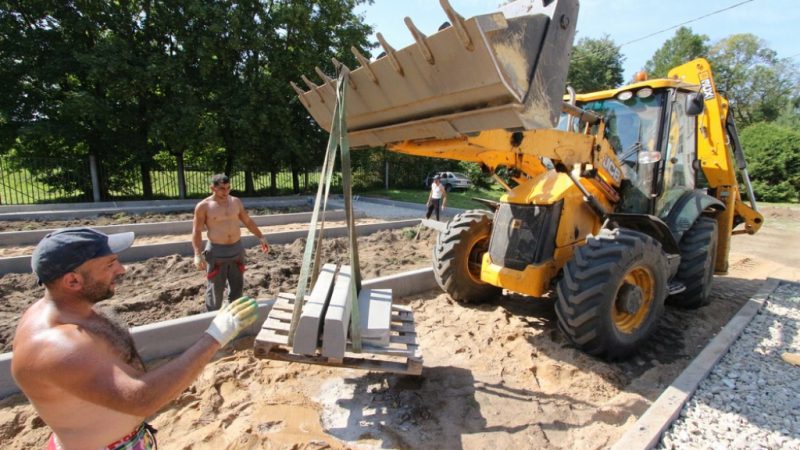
x,y
684,23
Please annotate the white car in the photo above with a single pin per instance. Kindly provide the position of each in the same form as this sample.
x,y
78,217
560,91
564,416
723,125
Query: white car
x,y
451,180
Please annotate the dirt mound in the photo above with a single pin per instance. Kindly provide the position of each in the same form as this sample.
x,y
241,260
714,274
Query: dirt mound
x,y
496,375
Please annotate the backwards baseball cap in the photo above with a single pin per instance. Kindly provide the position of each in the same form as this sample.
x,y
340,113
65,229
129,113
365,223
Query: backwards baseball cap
x,y
63,251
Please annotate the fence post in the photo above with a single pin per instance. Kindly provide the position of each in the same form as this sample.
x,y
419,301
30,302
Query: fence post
x,y
386,176
181,176
95,178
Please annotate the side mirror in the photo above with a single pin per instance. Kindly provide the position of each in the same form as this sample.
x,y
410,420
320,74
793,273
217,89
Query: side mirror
x,y
695,104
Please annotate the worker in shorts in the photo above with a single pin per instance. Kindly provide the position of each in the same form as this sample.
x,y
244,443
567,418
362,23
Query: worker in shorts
x,y
223,258
80,368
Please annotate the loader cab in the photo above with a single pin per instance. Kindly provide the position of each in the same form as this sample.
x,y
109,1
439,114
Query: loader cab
x,y
634,127
653,131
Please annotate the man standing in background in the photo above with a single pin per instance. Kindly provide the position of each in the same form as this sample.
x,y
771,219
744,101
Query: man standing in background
x,y
436,198
223,258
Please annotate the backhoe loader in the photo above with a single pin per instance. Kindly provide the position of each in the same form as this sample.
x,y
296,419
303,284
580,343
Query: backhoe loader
x,y
618,201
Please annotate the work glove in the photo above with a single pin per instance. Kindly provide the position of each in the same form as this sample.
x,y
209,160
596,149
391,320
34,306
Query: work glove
x,y
264,244
232,319
199,262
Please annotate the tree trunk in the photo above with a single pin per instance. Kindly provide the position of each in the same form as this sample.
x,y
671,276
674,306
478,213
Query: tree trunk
x,y
295,180
249,188
181,176
147,181
273,182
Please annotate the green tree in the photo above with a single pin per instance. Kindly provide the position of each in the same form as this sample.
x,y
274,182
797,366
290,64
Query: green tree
x,y
759,85
681,48
595,64
773,159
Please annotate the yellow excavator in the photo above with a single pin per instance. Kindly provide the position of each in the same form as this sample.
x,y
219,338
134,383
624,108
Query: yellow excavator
x,y
619,200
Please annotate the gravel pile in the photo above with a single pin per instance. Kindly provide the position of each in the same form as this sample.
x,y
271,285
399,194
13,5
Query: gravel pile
x,y
751,399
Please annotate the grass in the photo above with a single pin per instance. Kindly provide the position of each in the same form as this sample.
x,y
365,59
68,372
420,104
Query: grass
x,y
455,199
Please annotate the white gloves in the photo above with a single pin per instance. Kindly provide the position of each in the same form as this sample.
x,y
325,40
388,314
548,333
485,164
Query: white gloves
x,y
199,262
232,319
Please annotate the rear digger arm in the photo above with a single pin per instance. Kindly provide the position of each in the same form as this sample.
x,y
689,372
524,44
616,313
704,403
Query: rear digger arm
x,y
718,149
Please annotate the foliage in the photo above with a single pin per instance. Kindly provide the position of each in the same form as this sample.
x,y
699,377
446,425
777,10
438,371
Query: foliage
x,y
128,81
681,48
759,85
773,158
595,64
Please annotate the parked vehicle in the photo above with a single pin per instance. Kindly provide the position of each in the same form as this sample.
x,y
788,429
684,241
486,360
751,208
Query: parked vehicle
x,y
450,180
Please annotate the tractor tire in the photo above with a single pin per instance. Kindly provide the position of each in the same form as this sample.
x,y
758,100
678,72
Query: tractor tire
x,y
457,257
612,293
696,270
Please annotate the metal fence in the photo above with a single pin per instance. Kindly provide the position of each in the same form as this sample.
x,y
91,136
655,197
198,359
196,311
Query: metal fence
x,y
55,180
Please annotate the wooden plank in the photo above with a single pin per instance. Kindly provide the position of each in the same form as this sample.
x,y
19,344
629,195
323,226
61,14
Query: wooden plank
x,y
280,315
404,327
408,367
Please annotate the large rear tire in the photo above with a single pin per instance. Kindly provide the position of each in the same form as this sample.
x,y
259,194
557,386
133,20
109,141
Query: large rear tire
x,y
458,254
696,270
612,293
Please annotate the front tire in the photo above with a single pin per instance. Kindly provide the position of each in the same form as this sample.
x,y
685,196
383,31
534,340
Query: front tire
x,y
458,255
612,293
696,270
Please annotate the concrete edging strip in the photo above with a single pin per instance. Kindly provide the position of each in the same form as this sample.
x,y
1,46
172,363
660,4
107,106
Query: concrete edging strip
x,y
171,337
32,237
22,264
647,431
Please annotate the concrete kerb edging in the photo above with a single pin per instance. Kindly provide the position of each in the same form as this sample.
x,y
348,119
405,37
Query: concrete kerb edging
x,y
32,237
647,431
84,210
171,337
22,264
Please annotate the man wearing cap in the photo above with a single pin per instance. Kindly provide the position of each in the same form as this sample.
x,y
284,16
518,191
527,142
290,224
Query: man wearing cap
x,y
223,258
80,370
436,198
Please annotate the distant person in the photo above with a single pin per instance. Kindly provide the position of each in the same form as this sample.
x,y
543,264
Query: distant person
x,y
436,198
79,368
223,258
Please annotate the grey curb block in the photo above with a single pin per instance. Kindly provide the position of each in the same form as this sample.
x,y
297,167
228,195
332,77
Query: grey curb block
x,y
647,431
32,237
85,210
22,264
408,205
171,337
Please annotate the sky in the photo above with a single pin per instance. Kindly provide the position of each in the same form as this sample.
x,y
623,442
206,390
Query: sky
x,y
774,21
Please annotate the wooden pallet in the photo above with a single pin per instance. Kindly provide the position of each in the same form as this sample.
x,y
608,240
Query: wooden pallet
x,y
402,355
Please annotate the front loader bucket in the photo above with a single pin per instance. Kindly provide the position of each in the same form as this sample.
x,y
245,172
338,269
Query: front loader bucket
x,y
494,71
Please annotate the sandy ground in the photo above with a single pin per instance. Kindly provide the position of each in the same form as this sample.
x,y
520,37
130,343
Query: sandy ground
x,y
496,375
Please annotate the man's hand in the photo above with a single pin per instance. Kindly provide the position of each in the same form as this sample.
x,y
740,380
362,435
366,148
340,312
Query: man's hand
x,y
232,319
200,262
264,244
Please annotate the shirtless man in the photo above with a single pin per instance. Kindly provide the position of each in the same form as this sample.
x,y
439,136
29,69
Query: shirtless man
x,y
223,258
79,369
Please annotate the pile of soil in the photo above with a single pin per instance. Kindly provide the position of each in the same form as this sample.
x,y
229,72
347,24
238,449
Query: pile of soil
x,y
497,375
146,295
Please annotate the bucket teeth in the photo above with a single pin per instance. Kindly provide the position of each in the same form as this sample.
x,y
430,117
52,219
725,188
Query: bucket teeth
x,y
312,87
300,94
390,53
364,64
325,78
503,70
457,21
421,41
341,67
